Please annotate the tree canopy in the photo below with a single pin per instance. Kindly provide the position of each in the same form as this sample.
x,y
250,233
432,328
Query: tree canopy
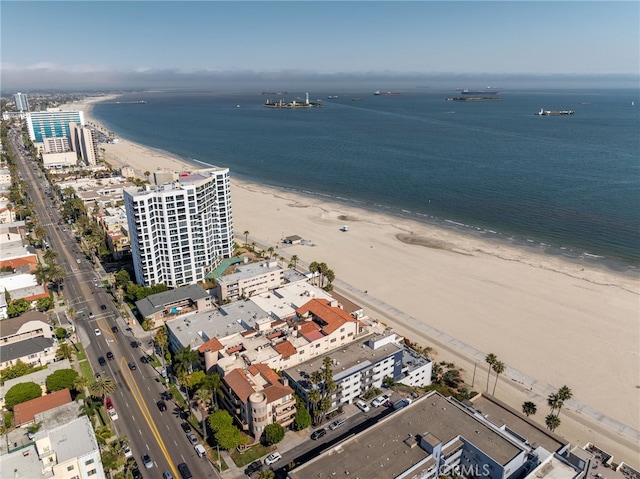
x,y
20,393
273,434
61,379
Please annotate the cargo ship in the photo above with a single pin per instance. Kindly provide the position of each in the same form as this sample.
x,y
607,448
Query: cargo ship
x,y
473,98
387,93
488,91
544,112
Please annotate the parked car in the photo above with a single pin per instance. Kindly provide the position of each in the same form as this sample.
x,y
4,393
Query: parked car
x,y
192,438
146,460
402,403
271,458
255,466
167,475
136,474
184,471
185,427
363,406
108,404
336,424
162,406
200,450
318,434
379,401
113,414
127,452
109,355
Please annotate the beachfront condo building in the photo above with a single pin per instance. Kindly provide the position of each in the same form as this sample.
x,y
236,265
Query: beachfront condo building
x,y
182,228
83,143
52,124
22,104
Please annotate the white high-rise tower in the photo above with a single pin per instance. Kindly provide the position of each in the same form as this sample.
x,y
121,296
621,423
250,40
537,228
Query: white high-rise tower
x,y
181,229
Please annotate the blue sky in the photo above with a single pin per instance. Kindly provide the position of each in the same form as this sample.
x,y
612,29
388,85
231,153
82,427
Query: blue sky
x,y
180,44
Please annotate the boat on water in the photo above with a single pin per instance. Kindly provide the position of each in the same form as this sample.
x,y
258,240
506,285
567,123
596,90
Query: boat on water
x,y
356,99
473,98
544,112
487,91
293,104
387,93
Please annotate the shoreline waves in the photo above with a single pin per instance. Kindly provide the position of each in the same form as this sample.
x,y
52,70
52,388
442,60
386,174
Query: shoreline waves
x,y
553,319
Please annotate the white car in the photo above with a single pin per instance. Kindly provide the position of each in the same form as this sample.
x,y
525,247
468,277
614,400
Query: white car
x,y
271,458
362,405
97,332
379,401
128,452
113,414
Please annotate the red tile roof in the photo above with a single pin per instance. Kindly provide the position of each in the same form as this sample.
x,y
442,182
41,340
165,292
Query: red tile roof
x,y
286,349
212,345
31,261
243,385
25,412
329,317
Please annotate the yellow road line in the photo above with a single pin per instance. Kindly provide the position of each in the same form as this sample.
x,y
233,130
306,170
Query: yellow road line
x,y
146,414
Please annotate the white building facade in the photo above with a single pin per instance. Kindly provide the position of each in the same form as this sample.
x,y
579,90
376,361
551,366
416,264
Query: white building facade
x,y
182,229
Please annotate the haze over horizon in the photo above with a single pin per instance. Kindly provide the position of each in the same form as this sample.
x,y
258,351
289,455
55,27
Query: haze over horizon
x,y
311,45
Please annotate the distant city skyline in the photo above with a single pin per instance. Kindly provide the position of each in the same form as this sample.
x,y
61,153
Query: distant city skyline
x,y
155,44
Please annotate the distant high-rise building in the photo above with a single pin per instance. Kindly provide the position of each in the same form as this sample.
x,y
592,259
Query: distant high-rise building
x,y
52,124
21,102
180,228
82,141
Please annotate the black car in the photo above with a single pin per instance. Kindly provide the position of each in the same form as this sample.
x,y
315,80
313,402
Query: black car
x,y
103,307
114,329
101,361
136,474
185,427
318,434
132,366
162,406
255,466
184,471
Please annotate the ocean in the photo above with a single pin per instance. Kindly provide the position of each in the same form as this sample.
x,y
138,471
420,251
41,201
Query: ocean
x,y
565,185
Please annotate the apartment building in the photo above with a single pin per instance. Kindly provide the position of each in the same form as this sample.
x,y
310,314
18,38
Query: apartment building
x,y
256,397
249,280
53,124
437,436
181,229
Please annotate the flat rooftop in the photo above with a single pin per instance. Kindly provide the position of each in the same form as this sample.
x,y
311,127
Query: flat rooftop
x,y
391,446
500,414
346,360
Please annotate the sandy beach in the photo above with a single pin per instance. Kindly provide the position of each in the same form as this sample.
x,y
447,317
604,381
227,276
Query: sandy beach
x,y
553,322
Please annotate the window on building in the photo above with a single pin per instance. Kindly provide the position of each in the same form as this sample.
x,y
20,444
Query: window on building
x,y
70,468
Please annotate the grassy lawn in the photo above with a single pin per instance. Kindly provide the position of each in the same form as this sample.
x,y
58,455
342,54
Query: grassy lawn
x,y
85,367
250,455
79,352
177,397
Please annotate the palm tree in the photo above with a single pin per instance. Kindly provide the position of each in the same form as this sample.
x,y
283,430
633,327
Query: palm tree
x,y
552,422
102,386
564,394
498,367
81,383
270,250
529,408
50,256
40,233
64,351
147,174
313,269
203,398
554,402
490,359
314,398
184,359
294,261
57,273
42,273
246,237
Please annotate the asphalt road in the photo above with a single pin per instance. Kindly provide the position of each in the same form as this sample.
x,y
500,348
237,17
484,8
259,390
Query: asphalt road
x,y
149,430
